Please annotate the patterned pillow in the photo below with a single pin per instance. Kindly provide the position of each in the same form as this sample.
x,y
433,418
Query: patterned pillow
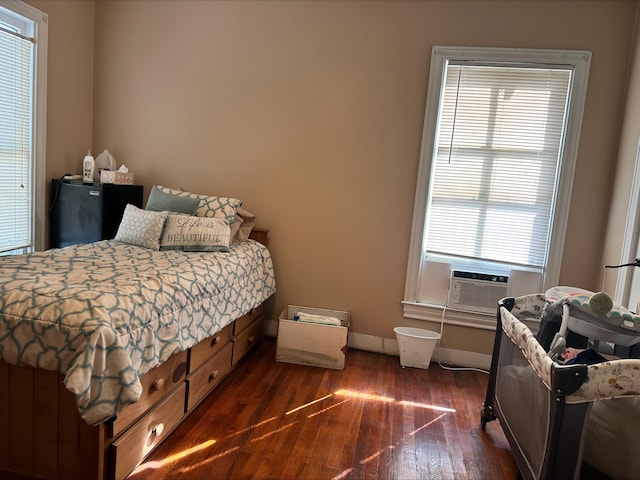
x,y
141,227
196,234
159,201
208,206
242,226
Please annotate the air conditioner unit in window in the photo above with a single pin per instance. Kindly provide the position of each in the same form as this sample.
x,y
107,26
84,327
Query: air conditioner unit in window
x,y
476,292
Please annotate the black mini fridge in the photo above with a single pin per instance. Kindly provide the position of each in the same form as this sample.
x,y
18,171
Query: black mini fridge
x,y
88,212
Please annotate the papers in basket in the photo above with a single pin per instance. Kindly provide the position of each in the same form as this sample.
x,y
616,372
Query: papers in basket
x,y
311,318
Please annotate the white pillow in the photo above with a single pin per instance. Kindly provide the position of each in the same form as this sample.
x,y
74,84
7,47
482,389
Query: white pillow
x,y
196,234
141,227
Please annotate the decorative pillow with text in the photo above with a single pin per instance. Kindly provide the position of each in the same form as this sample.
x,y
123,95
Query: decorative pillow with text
x,y
196,234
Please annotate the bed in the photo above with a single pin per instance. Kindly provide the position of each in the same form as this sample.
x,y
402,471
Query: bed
x,y
565,419
106,347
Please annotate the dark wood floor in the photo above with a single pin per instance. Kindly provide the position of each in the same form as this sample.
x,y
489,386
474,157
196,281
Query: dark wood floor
x,y
373,420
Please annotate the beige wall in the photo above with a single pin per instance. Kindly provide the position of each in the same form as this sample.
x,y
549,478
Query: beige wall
x,y
69,83
628,150
311,113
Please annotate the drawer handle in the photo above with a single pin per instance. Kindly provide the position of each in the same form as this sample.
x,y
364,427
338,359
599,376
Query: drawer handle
x,y
216,341
251,339
155,433
179,372
157,384
158,429
213,375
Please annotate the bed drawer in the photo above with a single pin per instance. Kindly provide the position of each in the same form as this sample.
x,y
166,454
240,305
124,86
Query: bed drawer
x,y
247,339
203,380
246,320
208,347
156,384
147,433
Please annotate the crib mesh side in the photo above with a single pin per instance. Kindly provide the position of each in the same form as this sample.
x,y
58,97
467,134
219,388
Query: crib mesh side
x,y
523,401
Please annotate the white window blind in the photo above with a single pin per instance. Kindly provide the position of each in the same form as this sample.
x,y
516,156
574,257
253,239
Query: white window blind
x,y
16,136
496,161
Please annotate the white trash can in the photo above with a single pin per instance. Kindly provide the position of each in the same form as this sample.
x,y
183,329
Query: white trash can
x,y
416,346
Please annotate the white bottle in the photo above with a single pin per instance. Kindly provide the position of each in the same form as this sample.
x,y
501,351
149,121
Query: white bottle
x,y
88,165
104,161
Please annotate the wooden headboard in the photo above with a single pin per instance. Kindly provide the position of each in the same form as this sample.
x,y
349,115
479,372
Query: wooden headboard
x,y
260,235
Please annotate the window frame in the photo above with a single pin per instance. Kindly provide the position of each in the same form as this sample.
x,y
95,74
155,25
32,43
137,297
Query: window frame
x,y
579,61
39,116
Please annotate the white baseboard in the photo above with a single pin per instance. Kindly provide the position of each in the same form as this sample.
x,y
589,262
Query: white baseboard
x,y
389,346
447,356
371,343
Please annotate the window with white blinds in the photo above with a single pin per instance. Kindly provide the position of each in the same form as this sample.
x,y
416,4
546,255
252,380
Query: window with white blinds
x,y
496,159
499,146
18,128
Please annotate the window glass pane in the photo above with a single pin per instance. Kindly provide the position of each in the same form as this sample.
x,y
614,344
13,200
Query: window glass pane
x,y
16,156
496,162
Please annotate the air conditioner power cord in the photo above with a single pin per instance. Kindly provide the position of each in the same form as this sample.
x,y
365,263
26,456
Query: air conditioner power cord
x,y
468,369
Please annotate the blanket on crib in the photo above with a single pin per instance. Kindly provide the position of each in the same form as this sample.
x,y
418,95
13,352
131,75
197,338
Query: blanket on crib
x,y
103,314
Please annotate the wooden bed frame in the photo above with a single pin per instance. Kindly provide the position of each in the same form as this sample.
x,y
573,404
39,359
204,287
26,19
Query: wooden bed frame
x,y
43,436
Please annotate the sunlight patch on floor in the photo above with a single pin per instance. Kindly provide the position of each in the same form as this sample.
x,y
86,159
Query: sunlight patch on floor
x,y
313,402
208,460
369,396
391,447
267,435
327,409
343,474
364,396
252,427
172,458
347,396
442,415
424,405
375,455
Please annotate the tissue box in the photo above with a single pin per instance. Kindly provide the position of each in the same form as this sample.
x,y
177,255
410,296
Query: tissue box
x,y
312,344
114,176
